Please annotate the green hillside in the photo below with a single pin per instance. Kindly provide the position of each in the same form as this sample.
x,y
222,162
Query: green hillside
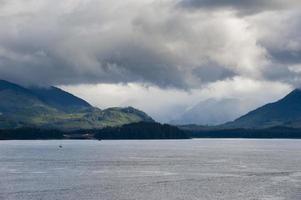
x,y
55,108
285,112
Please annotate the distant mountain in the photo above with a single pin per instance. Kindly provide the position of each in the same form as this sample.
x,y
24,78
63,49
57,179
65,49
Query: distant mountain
x,y
285,112
211,112
55,108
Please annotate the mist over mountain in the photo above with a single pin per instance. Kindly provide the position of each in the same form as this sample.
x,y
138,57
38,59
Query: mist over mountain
x,y
181,51
211,112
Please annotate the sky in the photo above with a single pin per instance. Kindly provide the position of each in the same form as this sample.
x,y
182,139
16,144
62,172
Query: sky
x,y
162,56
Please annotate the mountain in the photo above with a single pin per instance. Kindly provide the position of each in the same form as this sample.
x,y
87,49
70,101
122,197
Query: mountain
x,y
19,106
54,108
59,99
211,112
285,112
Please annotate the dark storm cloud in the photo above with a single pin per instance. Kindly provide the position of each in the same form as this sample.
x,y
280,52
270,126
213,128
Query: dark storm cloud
x,y
149,42
286,57
213,72
81,44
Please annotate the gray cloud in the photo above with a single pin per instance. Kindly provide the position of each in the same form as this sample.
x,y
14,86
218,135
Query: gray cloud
x,y
149,42
243,7
278,33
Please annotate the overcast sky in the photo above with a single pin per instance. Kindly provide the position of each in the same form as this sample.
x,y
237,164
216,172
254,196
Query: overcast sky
x,y
162,56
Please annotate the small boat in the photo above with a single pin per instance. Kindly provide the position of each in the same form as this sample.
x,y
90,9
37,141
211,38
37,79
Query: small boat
x,y
60,146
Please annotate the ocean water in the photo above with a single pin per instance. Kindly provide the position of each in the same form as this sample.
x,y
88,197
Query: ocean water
x,y
209,169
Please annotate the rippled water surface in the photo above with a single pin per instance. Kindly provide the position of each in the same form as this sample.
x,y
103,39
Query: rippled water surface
x,y
221,169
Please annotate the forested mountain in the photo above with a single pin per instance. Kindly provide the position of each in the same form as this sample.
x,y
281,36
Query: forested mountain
x,y
285,112
54,108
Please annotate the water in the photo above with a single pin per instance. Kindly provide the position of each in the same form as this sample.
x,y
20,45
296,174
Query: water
x,y
221,169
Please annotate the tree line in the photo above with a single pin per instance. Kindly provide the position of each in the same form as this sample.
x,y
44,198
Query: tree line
x,y
147,130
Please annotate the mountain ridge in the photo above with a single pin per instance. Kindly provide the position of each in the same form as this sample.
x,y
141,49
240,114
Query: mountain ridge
x,y
54,108
284,112
59,98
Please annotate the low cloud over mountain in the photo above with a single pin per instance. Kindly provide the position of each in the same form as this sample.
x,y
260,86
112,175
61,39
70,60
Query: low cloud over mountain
x,y
182,45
